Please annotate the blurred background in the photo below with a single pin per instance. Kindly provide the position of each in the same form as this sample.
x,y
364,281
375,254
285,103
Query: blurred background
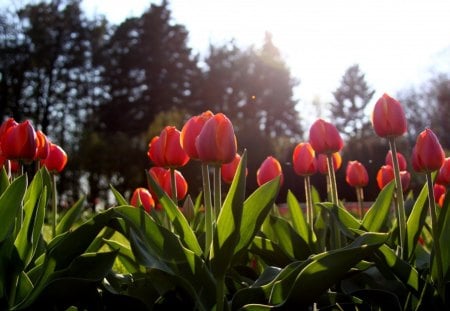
x,y
101,78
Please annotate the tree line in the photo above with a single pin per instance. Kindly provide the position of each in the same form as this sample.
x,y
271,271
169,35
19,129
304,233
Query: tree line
x,y
102,91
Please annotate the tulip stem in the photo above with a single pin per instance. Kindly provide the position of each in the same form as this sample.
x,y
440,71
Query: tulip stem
x,y
435,232
54,204
309,205
217,191
360,198
401,215
173,185
208,209
334,200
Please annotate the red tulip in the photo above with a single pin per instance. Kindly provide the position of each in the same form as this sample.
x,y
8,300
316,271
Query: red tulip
x,y
304,160
439,190
4,127
443,176
405,179
181,184
191,130
56,159
402,165
216,142
19,142
356,174
322,162
441,199
43,146
324,137
141,196
427,154
385,175
228,170
388,117
269,169
165,150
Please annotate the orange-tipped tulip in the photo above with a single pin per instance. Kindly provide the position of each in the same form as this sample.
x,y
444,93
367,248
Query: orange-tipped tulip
x,y
216,142
388,117
19,142
427,154
322,163
402,165
438,190
356,174
56,159
43,146
304,160
191,130
385,175
443,176
165,150
270,168
141,196
228,170
324,137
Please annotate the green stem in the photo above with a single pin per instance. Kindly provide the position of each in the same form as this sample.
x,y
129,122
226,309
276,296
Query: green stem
x,y
334,199
54,204
208,209
217,190
360,198
173,185
435,232
401,214
220,293
309,205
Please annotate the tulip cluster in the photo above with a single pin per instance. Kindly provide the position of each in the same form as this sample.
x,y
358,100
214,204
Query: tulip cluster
x,y
386,172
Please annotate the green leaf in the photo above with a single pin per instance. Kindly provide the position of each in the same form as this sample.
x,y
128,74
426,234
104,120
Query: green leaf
x,y
125,256
444,234
346,221
120,199
10,205
269,252
4,180
71,216
299,222
376,216
176,217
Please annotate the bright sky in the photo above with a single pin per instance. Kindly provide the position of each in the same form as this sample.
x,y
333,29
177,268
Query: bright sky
x,y
397,43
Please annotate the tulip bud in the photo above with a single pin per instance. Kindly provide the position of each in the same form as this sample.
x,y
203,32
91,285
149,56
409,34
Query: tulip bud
x,y
388,117
18,142
304,160
216,142
443,176
56,159
181,185
324,137
43,146
356,174
427,154
3,128
269,169
405,179
322,162
141,196
228,170
191,130
402,165
165,150
439,191
385,175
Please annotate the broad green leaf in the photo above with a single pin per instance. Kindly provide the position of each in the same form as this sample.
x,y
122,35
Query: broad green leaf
x,y
376,216
269,252
346,221
10,205
416,220
119,197
4,180
24,286
125,256
298,221
70,217
444,234
176,217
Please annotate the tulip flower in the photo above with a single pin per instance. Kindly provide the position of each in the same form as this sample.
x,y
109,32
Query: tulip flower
x,y
401,160
270,168
228,170
165,150
191,130
441,200
438,191
356,174
385,175
18,142
216,142
3,128
56,159
388,117
405,177
443,176
322,165
304,160
43,146
181,185
141,196
324,137
427,155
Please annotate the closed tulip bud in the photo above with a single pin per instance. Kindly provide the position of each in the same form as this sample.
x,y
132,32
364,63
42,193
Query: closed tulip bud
x,y
228,170
19,142
141,196
438,190
324,137
385,175
3,128
191,130
427,154
165,150
181,184
43,146
356,174
443,176
388,117
56,159
269,169
304,160
322,163
441,199
402,165
216,142
405,179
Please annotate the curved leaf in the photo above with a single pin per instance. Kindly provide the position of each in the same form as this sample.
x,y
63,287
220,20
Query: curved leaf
x,y
299,222
71,216
10,205
376,216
